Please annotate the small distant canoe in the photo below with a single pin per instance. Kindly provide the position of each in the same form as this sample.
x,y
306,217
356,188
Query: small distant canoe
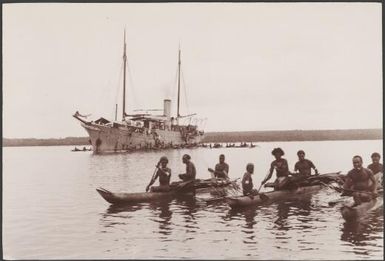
x,y
359,211
76,149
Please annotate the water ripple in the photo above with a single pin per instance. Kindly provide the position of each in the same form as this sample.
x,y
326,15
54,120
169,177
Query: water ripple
x,y
51,210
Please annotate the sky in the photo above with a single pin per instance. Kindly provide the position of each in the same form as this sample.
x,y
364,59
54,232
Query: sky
x,y
245,66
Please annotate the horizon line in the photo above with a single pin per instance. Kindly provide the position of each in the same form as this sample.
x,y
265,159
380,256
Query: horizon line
x,y
220,132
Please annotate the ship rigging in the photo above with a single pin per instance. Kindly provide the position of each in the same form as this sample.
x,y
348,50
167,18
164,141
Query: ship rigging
x,y
141,130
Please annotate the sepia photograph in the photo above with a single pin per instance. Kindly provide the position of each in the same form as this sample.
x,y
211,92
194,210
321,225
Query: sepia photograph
x,y
191,130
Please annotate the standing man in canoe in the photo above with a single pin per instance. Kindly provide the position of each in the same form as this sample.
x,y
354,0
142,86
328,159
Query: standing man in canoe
x,y
222,168
164,175
377,167
281,167
357,180
247,181
303,167
190,169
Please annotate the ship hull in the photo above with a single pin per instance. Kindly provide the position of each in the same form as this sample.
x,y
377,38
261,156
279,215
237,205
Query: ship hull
x,y
105,139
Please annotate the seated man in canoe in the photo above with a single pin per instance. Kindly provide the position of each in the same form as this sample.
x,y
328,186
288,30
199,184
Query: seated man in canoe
x,y
377,168
247,181
360,183
221,169
164,175
303,168
282,170
190,169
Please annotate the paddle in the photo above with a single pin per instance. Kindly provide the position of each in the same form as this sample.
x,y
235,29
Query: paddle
x,y
212,174
262,196
153,175
347,190
335,202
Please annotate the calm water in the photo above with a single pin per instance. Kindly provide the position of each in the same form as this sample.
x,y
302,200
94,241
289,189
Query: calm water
x,y
51,208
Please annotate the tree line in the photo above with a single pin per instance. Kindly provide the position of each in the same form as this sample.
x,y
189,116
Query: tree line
x,y
235,136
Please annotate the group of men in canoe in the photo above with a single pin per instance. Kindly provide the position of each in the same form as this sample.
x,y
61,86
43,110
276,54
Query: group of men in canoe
x,y
163,173
283,181
359,182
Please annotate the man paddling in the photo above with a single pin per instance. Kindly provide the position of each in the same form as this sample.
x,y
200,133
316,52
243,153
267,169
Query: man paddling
x,y
357,182
377,167
164,175
247,181
222,168
281,167
303,167
190,169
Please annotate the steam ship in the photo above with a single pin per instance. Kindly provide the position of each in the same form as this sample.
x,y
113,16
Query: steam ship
x,y
142,130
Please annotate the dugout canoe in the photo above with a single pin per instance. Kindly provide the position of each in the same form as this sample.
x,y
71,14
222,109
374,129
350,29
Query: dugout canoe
x,y
312,187
200,186
126,198
272,196
350,213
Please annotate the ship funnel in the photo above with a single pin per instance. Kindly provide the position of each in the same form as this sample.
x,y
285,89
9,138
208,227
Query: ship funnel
x,y
167,108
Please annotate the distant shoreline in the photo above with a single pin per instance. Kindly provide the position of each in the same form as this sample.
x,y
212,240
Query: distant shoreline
x,y
294,135
223,137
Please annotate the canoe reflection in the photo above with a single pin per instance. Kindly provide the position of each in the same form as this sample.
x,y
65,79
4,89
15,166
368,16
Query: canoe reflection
x,y
299,209
362,232
160,212
114,209
274,219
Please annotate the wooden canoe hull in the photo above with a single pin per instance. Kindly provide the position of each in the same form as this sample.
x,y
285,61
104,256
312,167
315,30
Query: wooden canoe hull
x,y
349,212
244,201
125,198
355,213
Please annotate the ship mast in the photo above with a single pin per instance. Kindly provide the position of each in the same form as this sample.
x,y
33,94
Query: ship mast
x,y
178,115
124,76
